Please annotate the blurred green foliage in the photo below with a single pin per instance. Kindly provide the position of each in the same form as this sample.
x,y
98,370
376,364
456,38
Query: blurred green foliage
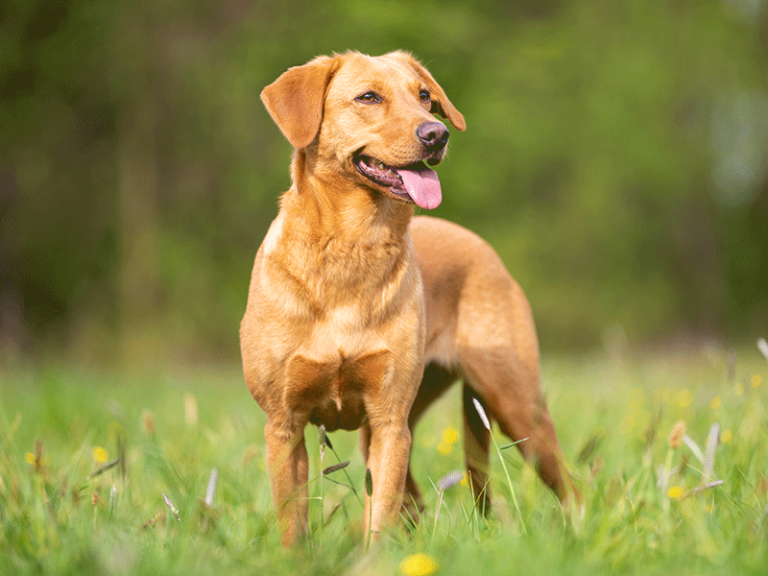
x,y
616,156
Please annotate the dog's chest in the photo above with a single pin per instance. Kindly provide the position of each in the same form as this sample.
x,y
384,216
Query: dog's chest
x,y
333,391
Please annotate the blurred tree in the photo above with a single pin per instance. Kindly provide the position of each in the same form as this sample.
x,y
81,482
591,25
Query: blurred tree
x,y
616,156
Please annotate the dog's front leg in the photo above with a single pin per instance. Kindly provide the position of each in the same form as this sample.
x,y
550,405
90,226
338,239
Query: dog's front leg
x,y
388,451
287,463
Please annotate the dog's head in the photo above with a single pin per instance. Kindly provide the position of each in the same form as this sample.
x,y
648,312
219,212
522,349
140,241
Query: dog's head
x,y
370,118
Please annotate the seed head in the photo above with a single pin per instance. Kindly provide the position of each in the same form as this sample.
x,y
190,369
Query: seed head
x,y
677,434
481,413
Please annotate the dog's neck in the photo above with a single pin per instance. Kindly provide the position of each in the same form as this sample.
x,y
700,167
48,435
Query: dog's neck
x,y
342,209
341,234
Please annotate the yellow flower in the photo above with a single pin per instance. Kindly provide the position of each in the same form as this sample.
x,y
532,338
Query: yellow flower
x,y
675,492
450,435
465,480
444,448
418,565
726,437
684,398
100,455
30,458
757,379
716,403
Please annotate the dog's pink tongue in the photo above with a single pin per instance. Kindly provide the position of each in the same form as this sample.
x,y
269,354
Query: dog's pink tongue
x,y
423,186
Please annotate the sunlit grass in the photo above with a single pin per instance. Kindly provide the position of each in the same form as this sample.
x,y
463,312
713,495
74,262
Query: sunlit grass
x,y
122,474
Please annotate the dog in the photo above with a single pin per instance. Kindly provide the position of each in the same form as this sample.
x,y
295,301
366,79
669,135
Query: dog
x,y
359,314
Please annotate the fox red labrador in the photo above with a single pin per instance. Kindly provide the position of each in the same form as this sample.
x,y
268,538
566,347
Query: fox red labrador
x,y
359,314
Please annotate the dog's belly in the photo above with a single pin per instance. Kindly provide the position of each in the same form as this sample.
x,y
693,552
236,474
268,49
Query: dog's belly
x,y
332,391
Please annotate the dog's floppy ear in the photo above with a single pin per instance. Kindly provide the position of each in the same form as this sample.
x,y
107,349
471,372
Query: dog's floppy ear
x,y
440,103
295,99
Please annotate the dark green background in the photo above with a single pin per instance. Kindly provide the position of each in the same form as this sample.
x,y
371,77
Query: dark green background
x,y
616,156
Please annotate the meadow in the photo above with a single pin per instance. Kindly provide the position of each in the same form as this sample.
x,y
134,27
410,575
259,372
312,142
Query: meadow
x,y
144,472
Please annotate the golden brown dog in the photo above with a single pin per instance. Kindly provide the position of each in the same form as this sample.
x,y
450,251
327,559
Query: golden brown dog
x,y
359,315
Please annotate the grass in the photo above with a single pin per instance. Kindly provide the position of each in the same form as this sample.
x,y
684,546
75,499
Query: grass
x,y
651,506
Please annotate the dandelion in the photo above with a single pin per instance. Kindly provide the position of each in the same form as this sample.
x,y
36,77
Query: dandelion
x,y
100,455
450,435
677,434
465,480
684,398
418,565
675,492
756,380
716,403
726,437
36,459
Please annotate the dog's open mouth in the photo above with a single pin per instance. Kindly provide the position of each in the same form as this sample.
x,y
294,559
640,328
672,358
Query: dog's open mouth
x,y
414,181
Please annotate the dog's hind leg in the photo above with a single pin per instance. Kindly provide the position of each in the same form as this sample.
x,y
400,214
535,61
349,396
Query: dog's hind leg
x,y
476,442
512,393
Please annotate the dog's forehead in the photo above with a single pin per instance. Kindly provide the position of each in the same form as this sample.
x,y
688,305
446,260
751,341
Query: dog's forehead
x,y
373,73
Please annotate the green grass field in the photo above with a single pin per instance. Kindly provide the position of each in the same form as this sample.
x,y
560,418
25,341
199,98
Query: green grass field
x,y
650,507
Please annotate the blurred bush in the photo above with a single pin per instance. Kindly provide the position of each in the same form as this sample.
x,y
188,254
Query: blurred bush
x,y
616,156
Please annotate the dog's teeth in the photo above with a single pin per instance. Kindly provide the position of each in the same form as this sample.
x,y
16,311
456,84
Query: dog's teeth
x,y
381,166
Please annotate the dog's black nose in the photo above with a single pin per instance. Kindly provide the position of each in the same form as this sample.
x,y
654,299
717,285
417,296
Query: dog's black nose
x,y
434,136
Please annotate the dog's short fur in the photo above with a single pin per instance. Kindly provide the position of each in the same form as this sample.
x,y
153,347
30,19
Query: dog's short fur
x,y
359,315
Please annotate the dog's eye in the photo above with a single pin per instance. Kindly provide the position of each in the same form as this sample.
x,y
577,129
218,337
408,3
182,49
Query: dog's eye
x,y
369,97
425,96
